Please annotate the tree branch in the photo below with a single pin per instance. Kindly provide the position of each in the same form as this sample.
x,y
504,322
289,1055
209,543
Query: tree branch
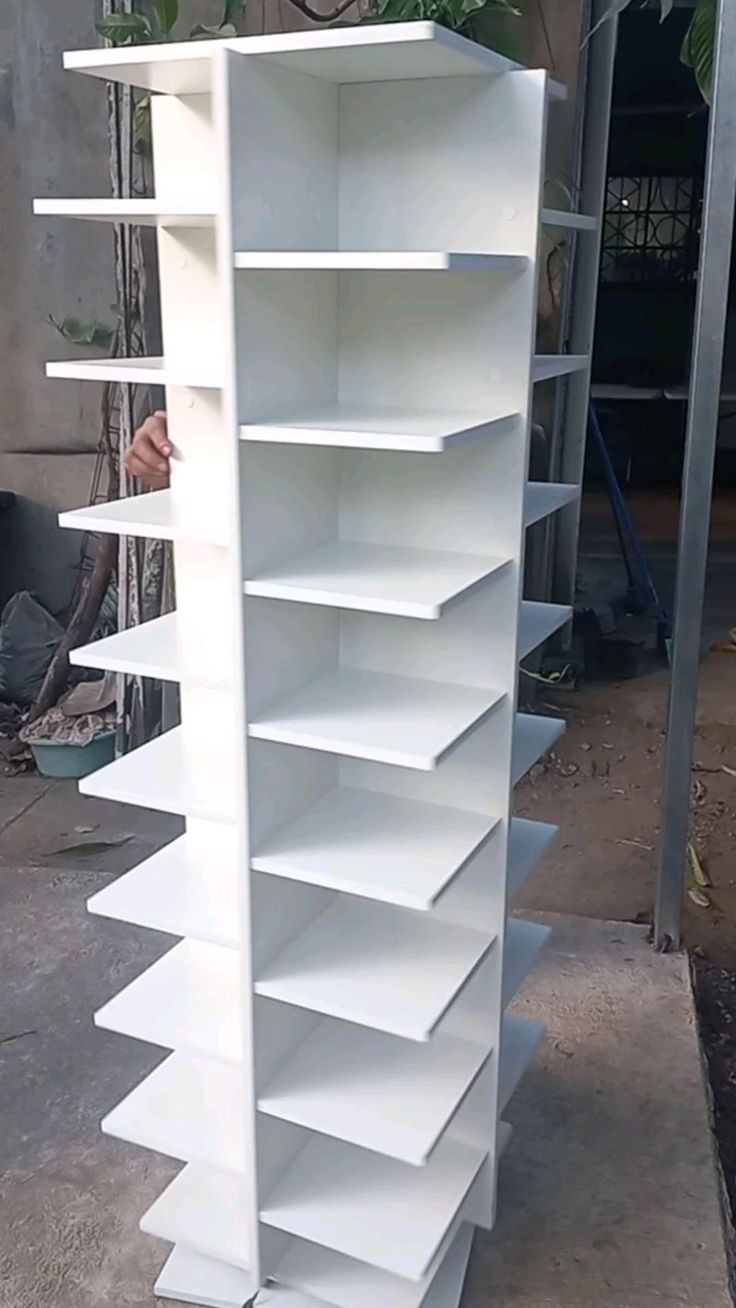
x,y
316,16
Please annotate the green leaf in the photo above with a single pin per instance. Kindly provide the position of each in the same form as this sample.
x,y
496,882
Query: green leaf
x,y
84,333
202,31
121,29
455,14
167,13
699,47
232,12
665,9
396,11
616,7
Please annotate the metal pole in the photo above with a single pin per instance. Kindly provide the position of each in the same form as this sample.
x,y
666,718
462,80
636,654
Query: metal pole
x,y
541,542
697,481
600,56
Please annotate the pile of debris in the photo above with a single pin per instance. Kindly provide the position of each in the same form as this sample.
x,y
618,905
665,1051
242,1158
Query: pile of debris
x,y
30,638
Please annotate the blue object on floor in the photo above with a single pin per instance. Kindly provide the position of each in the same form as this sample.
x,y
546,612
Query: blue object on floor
x,y
62,758
641,592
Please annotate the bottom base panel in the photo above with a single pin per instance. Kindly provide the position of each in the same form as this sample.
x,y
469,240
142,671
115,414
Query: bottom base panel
x,y
189,1277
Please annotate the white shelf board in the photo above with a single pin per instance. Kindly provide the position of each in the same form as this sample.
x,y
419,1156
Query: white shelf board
x,y
408,721
381,260
179,893
141,212
538,621
545,497
151,371
376,1091
189,1277
188,1108
378,428
533,736
447,1286
361,842
155,776
546,366
149,650
411,583
524,943
363,1206
383,967
579,222
371,53
520,1040
373,1090
206,1210
527,843
347,1283
153,516
372,1208
187,1000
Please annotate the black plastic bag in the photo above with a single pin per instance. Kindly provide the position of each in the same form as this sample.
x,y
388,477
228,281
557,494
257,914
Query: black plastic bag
x,y
29,638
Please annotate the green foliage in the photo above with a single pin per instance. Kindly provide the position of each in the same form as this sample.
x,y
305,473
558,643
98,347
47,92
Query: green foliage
x,y
167,13
455,14
699,47
233,12
84,333
122,29
201,31
126,29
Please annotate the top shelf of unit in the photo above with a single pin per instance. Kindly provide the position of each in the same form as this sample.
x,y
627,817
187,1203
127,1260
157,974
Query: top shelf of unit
x,y
384,52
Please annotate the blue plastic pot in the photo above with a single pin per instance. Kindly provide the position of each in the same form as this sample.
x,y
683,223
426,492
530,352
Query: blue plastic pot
x,y
62,758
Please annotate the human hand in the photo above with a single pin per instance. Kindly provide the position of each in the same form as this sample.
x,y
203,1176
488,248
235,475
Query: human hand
x,y
148,456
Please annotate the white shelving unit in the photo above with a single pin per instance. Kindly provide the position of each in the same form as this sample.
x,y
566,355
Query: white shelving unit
x,y
348,231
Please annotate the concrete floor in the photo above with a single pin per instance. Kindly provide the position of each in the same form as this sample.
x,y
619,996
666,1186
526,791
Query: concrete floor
x,y
609,1194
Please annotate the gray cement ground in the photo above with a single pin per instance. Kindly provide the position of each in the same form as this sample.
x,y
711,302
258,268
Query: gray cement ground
x,y
608,1194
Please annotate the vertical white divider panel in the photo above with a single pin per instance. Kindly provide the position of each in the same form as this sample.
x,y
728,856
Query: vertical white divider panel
x,y
225,253
192,159
521,120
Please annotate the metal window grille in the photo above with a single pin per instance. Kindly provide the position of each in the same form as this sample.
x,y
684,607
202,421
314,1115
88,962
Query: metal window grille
x,y
652,229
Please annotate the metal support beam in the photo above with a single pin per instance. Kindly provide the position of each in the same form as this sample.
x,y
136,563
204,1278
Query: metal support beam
x,y
697,481
600,55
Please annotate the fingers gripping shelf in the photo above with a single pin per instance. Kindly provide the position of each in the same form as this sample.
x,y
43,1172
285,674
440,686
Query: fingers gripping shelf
x,y
348,630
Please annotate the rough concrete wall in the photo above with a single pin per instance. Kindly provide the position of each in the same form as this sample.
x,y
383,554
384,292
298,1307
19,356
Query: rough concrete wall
x,y
52,143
